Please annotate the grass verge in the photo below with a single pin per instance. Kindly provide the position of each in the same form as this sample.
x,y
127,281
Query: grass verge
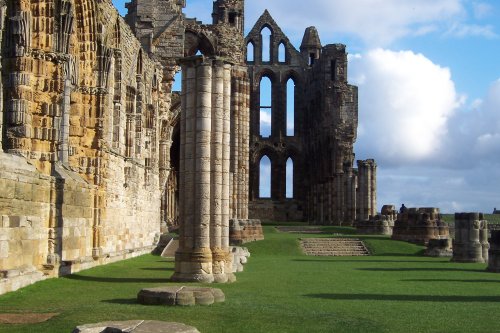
x,y
282,290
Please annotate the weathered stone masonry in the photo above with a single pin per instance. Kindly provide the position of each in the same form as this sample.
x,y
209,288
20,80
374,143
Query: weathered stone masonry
x,y
325,184
98,155
80,183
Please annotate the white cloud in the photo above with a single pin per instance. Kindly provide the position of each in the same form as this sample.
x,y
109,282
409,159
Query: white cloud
x,y
405,103
482,10
471,30
377,22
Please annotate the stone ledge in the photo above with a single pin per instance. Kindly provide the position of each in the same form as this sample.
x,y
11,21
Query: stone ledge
x,y
180,296
137,326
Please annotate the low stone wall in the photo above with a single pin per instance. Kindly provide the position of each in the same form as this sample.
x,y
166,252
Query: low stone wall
x,y
244,231
380,224
419,225
267,209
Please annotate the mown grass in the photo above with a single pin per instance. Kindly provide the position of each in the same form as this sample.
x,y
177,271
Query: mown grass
x,y
282,290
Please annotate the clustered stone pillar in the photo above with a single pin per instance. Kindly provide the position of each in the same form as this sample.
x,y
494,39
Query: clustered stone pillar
x,y
240,145
367,189
3,11
471,238
494,252
203,254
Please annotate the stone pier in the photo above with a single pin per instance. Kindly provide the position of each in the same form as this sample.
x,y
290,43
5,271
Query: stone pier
x,y
494,252
471,238
204,254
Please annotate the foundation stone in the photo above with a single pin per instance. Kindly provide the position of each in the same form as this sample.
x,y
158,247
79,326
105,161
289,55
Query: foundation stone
x,y
180,296
135,326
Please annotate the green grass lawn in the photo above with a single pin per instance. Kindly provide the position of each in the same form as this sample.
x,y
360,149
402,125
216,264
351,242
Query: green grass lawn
x,y
282,290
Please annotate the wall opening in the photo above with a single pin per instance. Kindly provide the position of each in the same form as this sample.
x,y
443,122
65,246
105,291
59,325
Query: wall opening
x,y
289,178
312,57
265,107
177,86
290,107
265,177
266,34
282,52
250,51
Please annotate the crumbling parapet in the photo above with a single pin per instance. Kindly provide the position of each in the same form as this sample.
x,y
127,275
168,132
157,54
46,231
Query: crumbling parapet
x,y
244,231
380,224
419,225
471,238
494,252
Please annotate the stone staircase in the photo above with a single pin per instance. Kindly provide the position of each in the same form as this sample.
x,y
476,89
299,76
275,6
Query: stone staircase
x,y
333,247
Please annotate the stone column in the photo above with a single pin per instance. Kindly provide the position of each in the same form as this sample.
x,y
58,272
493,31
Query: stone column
x,y
225,254
471,238
245,147
366,196
203,254
69,80
217,161
3,11
494,252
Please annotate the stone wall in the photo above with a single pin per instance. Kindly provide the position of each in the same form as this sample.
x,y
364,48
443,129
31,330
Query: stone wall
x,y
419,225
80,140
325,185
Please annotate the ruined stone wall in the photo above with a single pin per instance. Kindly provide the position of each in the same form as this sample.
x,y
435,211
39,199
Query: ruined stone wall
x,y
278,147
325,126
80,113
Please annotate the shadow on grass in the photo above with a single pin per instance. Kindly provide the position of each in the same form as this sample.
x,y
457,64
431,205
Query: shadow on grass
x,y
158,269
124,301
420,269
451,280
407,298
115,279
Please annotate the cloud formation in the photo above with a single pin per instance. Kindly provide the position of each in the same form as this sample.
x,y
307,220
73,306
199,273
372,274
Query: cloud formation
x,y
405,104
378,23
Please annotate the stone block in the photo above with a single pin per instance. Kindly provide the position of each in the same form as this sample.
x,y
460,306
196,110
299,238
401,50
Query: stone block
x,y
4,222
18,221
180,296
135,326
8,188
4,249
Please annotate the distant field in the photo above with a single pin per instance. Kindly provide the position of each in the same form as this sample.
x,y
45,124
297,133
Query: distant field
x,y
491,218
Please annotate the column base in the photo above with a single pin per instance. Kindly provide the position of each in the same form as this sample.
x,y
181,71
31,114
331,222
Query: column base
x,y
188,277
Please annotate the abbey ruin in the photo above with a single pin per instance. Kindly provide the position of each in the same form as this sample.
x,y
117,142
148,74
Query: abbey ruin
x,y
99,155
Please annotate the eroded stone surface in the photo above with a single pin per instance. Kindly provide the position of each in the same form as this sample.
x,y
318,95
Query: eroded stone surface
x,y
180,296
471,238
135,326
494,252
419,225
380,224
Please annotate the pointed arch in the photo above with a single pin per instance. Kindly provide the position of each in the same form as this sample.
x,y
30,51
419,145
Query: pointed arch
x,y
266,35
289,178
282,53
265,177
290,107
266,114
250,51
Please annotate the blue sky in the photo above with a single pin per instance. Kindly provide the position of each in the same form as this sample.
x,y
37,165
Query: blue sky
x,y
429,79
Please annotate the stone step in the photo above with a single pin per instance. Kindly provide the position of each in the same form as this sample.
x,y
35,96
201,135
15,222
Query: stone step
x,y
334,247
